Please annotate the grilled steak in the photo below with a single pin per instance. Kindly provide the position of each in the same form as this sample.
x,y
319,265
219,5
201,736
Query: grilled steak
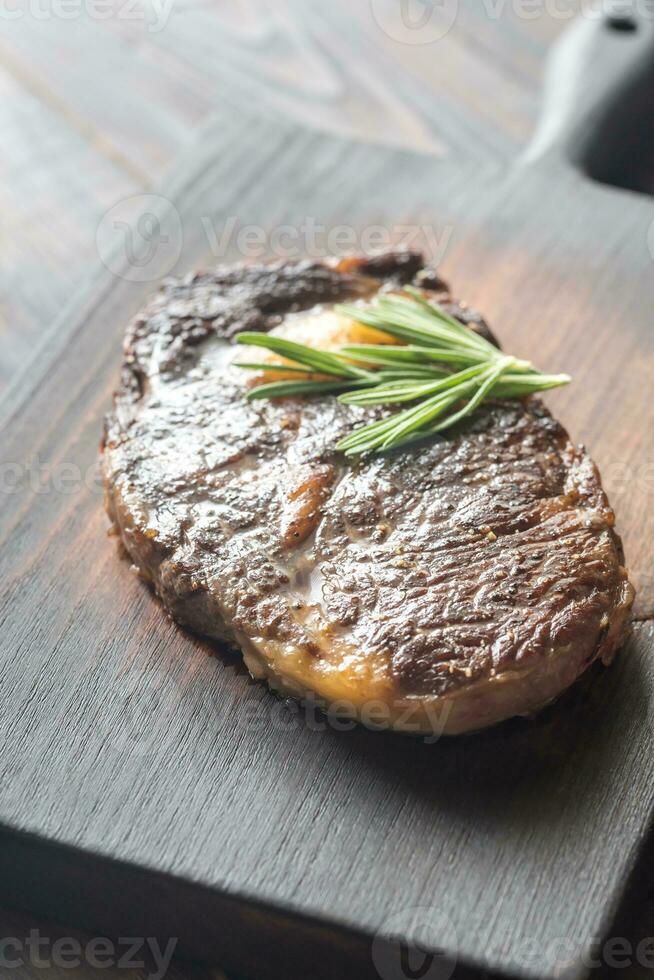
x,y
442,588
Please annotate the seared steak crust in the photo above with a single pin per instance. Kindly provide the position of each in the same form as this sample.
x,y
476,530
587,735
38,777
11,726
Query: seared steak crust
x,y
481,570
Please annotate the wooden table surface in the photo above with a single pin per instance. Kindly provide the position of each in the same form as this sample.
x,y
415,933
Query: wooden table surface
x,y
93,111
96,105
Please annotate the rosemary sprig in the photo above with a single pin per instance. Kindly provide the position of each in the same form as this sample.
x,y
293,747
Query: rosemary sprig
x,y
447,369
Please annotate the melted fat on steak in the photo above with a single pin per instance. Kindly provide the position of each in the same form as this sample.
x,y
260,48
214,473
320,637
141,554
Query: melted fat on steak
x,y
455,584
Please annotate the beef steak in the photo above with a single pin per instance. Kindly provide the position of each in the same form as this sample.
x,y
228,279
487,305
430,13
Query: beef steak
x,y
443,588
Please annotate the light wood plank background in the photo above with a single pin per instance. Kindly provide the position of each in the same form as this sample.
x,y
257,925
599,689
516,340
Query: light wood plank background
x,y
96,109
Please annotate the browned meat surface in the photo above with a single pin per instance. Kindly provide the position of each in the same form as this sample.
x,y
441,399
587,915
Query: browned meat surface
x,y
457,583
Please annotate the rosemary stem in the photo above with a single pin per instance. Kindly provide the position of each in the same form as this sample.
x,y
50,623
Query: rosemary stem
x,y
442,366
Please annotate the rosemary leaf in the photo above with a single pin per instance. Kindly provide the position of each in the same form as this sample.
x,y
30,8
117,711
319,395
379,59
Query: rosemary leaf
x,y
442,366
389,393
289,389
320,361
411,354
276,368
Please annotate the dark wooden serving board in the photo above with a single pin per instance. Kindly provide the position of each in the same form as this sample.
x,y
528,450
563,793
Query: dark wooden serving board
x,y
149,788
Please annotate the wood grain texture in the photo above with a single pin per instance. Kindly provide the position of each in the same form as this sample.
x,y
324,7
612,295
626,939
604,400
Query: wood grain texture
x,y
95,110
123,736
126,740
44,235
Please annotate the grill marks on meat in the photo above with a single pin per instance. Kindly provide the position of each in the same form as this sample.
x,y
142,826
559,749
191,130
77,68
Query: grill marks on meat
x,y
479,573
